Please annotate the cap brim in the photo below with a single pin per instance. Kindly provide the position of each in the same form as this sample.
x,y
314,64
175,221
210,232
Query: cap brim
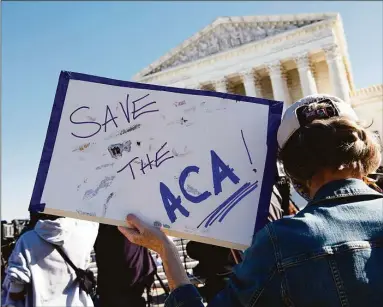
x,y
290,122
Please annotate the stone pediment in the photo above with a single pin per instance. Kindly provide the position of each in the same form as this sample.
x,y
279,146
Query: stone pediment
x,y
230,32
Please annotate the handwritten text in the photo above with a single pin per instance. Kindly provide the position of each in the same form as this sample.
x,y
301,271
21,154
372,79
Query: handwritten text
x,y
111,118
220,172
159,158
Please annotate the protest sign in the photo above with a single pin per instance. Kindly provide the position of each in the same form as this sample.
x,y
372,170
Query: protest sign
x,y
200,164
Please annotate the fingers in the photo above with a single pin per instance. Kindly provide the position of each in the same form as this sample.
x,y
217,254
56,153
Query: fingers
x,y
143,234
134,221
130,234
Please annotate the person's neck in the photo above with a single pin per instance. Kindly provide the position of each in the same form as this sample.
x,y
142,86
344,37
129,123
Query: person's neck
x,y
326,176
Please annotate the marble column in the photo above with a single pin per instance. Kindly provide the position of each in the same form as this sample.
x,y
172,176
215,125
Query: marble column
x,y
221,86
278,82
306,75
251,83
337,72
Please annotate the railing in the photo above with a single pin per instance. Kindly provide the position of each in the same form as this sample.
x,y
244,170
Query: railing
x,y
13,229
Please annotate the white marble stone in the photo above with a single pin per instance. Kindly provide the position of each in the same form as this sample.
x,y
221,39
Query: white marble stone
x,y
250,48
221,86
241,34
337,72
278,82
251,83
368,105
306,74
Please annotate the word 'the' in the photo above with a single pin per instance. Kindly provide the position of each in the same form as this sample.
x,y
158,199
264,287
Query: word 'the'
x,y
151,163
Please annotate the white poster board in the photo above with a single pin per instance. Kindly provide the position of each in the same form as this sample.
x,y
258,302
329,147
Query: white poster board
x,y
200,164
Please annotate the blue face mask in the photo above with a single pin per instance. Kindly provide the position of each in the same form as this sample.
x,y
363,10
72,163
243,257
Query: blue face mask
x,y
301,190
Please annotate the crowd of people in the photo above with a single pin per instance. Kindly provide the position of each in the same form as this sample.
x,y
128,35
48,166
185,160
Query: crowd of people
x,y
53,254
327,254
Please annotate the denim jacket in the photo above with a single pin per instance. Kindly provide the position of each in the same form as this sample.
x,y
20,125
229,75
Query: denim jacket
x,y
329,254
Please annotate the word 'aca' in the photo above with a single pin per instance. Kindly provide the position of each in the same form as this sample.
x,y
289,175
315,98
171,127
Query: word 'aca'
x,y
220,172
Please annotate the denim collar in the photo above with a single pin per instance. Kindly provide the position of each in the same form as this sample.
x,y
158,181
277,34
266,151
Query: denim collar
x,y
344,188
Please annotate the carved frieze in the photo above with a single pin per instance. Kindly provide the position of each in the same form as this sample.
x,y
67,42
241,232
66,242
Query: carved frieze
x,y
332,52
303,61
261,50
227,36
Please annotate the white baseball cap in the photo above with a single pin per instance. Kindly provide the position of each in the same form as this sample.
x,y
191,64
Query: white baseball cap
x,y
297,114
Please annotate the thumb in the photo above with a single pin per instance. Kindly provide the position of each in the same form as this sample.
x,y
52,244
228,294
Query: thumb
x,y
134,222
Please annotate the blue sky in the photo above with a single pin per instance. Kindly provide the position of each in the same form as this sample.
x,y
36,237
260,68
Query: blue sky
x,y
117,39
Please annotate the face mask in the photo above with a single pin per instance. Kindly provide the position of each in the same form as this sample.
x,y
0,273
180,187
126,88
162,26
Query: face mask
x,y
301,190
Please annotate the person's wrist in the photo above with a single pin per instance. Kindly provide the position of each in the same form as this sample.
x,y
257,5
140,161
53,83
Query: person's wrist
x,y
167,246
174,270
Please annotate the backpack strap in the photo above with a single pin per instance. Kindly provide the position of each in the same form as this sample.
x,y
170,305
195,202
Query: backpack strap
x,y
85,278
66,258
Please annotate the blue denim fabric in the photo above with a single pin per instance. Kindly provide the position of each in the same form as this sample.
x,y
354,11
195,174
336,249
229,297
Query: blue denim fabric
x,y
329,254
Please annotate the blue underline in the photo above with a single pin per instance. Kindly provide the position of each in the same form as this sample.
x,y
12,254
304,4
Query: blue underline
x,y
229,203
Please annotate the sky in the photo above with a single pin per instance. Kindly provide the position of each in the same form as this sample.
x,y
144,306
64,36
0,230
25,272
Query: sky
x,y
117,40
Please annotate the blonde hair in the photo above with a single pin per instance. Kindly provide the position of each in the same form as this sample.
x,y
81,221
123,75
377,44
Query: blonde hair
x,y
333,143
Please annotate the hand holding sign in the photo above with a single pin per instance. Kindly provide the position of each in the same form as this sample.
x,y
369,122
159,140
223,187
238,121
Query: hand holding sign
x,y
151,237
193,162
140,233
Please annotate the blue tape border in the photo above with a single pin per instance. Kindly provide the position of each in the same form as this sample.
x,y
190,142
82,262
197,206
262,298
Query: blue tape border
x,y
275,112
35,204
274,120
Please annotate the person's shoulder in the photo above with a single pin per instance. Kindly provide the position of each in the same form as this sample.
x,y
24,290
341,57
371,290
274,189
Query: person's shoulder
x,y
27,237
283,227
262,242
302,228
85,230
308,230
302,222
85,227
25,243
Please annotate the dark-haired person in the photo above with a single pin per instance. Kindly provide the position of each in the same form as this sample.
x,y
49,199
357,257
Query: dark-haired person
x,y
125,270
37,275
328,254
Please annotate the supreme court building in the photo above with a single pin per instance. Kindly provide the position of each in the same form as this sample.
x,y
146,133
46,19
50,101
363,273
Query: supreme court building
x,y
281,57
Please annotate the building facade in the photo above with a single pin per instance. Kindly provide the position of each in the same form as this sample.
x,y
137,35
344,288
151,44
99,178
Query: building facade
x,y
368,104
284,57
